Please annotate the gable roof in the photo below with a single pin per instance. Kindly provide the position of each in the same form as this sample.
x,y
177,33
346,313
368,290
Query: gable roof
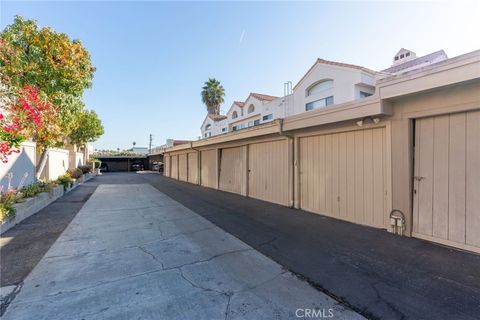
x,y
334,63
258,96
239,103
217,117
262,97
417,61
214,117
403,50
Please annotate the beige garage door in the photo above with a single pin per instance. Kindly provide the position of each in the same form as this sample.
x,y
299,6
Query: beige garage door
x,y
192,167
447,179
182,167
233,170
342,175
208,168
166,166
174,167
268,171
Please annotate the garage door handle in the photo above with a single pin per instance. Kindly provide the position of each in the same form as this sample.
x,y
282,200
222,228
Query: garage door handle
x,y
418,178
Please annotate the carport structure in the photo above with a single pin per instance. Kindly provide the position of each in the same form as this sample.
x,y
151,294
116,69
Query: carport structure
x,y
412,149
123,163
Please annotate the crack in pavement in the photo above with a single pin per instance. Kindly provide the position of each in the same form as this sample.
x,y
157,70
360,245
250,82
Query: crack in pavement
x,y
388,304
9,298
209,259
154,257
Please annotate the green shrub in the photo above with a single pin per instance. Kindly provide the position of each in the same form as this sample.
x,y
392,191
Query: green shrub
x,y
36,188
85,169
75,173
7,200
66,180
7,210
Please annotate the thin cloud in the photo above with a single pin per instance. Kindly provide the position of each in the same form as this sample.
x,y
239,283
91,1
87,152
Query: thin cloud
x,y
242,36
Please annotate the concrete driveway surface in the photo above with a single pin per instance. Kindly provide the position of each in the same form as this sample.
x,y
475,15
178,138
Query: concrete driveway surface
x,y
134,253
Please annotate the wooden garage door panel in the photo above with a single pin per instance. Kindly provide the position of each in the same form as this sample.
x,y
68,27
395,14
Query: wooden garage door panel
x,y
233,170
342,175
182,167
473,179
174,167
447,184
166,169
192,167
268,171
209,168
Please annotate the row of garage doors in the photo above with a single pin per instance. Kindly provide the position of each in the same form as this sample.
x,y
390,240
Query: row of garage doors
x,y
258,170
346,175
342,175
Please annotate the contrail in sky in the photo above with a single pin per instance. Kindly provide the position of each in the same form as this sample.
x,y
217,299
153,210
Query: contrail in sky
x,y
241,36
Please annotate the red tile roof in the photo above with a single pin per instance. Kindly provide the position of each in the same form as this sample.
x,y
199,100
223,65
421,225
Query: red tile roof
x,y
263,97
217,117
239,103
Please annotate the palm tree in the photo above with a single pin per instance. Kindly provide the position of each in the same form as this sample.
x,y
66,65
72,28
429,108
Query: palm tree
x,y
212,95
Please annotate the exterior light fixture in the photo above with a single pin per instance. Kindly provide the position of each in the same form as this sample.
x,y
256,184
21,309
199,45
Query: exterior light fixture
x,y
361,122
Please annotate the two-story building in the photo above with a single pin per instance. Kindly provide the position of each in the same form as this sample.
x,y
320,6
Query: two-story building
x,y
325,84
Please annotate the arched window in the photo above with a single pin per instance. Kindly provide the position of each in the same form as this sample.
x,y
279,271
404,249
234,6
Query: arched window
x,y
319,87
251,108
234,115
208,127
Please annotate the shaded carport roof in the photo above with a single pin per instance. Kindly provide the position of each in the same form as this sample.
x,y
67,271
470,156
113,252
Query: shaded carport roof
x,y
120,157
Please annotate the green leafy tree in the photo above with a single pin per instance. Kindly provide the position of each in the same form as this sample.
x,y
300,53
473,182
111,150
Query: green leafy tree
x,y
88,128
213,95
53,63
61,69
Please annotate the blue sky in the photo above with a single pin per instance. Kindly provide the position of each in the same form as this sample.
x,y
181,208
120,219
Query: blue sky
x,y
153,57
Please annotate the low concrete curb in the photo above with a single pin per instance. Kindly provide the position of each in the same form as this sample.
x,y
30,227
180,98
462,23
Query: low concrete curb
x,y
23,210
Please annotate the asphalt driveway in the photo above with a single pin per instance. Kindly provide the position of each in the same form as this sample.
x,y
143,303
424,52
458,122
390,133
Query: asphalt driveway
x,y
378,274
375,273
134,253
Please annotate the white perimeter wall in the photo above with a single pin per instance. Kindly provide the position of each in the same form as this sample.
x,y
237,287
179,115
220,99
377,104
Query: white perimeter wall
x,y
75,160
57,163
20,165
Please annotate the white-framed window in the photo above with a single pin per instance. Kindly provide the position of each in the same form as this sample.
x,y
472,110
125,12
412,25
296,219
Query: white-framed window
x,y
256,122
319,103
208,127
251,108
267,117
319,87
234,115
224,129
